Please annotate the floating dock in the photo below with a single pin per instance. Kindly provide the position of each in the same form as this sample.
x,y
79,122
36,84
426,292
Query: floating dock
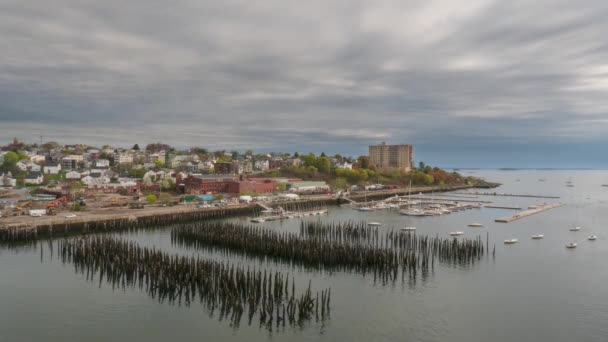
x,y
529,212
501,207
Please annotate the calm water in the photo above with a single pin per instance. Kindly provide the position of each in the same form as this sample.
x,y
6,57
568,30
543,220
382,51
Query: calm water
x,y
535,290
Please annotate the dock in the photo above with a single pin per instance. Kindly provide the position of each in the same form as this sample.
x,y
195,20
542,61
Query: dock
x,y
501,207
529,212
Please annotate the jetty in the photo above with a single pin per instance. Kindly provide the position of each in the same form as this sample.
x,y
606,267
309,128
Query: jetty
x,y
526,213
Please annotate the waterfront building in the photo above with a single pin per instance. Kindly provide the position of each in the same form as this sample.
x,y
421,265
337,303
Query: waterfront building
x,y
391,157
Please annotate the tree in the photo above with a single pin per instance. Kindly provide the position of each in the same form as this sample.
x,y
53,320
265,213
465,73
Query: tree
x,y
167,184
10,159
323,164
165,198
363,162
296,155
340,183
135,147
280,187
421,165
151,199
159,164
249,152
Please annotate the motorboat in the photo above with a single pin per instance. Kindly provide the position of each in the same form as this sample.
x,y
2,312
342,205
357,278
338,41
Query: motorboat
x,y
592,238
456,233
408,229
537,236
575,229
510,241
258,220
365,209
571,245
374,224
475,225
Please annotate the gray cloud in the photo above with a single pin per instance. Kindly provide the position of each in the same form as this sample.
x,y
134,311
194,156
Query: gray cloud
x,y
312,75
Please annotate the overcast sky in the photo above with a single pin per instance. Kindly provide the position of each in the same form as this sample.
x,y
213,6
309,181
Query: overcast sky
x,y
469,83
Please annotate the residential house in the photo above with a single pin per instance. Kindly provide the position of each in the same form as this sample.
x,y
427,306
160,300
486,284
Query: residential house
x,y
123,158
261,165
8,180
95,179
102,163
73,175
33,177
71,162
52,168
23,164
38,159
344,165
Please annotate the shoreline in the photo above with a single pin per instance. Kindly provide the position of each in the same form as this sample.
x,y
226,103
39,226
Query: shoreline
x,y
24,228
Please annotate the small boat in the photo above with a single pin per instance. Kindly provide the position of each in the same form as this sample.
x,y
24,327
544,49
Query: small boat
x,y
258,220
365,209
575,229
475,225
412,212
408,229
591,237
374,224
604,184
456,233
537,236
571,245
510,241
70,216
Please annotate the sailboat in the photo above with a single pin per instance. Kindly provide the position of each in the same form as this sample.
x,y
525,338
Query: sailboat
x,y
411,211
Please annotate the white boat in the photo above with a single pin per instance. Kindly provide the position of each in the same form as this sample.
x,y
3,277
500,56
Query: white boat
x,y
70,216
476,225
456,233
510,241
365,209
258,220
571,245
412,212
408,229
537,236
575,229
374,224
592,238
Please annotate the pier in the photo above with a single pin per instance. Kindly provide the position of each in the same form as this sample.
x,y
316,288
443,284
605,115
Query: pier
x,y
529,212
501,207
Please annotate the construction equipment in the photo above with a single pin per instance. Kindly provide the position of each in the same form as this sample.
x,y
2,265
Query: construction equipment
x,y
61,199
23,205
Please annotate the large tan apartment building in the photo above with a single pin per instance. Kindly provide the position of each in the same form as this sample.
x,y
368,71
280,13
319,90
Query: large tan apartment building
x,y
391,157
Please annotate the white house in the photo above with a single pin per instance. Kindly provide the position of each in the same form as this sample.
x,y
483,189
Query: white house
x,y
8,180
262,165
102,163
33,178
72,175
344,165
123,158
23,164
98,180
52,168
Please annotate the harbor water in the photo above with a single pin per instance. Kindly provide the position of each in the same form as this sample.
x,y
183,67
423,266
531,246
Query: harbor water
x,y
533,290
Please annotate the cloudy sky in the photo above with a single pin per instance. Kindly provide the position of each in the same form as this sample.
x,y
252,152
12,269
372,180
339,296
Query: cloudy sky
x,y
469,83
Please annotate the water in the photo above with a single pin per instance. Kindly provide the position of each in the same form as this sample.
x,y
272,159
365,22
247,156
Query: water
x,y
535,290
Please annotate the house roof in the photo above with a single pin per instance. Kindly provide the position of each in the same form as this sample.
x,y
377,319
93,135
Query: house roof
x,y
32,175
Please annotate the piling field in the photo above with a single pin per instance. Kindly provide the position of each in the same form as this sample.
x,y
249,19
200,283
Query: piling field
x,y
351,247
231,290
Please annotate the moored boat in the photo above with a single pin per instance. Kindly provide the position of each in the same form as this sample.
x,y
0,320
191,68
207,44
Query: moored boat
x,y
456,233
374,224
571,245
408,229
592,238
510,241
475,225
258,220
537,236
575,229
